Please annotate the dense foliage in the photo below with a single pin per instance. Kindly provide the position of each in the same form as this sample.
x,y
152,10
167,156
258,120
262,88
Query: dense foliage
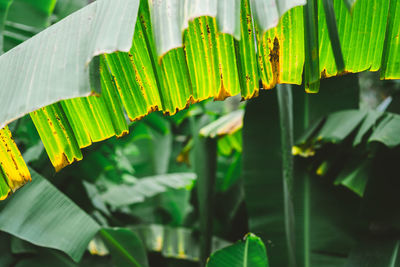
x,y
284,178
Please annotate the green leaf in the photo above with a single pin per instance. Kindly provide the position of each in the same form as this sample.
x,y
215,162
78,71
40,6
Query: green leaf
x,y
262,147
6,255
355,176
386,131
281,50
46,258
311,69
225,125
250,252
247,59
72,51
146,187
46,218
268,13
329,13
13,171
125,247
361,34
391,52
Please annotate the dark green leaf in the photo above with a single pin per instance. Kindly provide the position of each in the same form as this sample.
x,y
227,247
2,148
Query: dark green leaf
x,y
44,216
250,252
125,247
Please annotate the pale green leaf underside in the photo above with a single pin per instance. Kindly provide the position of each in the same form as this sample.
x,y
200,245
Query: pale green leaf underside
x,y
54,64
267,12
171,17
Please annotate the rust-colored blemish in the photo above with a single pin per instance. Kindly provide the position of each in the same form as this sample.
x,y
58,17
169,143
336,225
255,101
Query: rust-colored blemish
x,y
274,59
223,93
324,74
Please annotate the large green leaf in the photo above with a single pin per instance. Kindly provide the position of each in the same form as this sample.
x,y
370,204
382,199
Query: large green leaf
x,y
46,217
71,54
262,147
250,252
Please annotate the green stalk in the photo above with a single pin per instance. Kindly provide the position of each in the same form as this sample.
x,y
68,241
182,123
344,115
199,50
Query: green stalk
x,y
285,103
206,169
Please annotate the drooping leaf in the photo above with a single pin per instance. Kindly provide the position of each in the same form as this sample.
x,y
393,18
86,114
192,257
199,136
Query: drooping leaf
x,y
250,252
146,82
13,171
361,34
391,52
97,24
281,51
46,217
329,13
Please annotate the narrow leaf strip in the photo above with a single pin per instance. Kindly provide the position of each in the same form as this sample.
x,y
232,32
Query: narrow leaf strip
x,y
57,135
112,101
330,18
311,69
391,53
246,54
13,171
281,51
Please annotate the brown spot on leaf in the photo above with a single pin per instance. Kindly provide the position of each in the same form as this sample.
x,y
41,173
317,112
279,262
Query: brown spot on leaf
x,y
274,59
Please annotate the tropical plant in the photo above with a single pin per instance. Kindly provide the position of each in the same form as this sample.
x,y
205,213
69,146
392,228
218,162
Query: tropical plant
x,y
178,188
